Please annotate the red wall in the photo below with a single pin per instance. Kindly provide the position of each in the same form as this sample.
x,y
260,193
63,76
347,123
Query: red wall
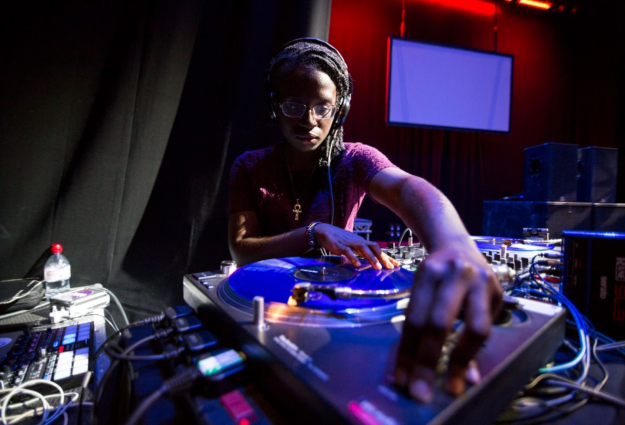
x,y
567,88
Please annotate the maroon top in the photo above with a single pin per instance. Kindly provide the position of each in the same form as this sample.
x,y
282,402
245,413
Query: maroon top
x,y
260,182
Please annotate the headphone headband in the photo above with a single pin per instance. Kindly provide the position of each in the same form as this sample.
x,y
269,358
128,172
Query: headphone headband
x,y
317,41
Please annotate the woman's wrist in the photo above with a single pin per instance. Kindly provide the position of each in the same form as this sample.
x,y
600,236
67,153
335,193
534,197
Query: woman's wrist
x,y
310,234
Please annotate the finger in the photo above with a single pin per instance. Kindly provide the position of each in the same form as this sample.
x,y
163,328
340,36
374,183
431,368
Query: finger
x,y
450,295
393,261
420,298
347,252
496,303
478,321
473,375
387,262
459,376
445,305
416,336
408,344
365,251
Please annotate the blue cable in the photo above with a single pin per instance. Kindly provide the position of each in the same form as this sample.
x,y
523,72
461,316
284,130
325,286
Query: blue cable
x,y
577,317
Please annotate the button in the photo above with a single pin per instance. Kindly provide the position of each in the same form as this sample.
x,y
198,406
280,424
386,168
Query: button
x,y
62,374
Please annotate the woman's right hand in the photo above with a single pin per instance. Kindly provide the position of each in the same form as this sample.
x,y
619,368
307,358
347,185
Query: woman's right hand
x,y
341,242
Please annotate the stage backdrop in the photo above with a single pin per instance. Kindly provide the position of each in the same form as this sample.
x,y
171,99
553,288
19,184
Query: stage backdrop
x,y
569,87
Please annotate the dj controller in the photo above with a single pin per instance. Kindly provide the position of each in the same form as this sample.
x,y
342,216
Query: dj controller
x,y
320,337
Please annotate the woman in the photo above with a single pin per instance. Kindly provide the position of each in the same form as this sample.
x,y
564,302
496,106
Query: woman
x,y
282,205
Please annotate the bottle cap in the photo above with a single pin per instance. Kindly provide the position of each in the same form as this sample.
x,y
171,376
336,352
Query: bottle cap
x,y
57,248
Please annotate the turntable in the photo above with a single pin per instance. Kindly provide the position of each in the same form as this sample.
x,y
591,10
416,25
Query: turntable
x,y
278,281
322,335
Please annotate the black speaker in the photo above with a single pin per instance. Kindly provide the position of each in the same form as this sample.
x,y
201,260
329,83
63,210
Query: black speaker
x,y
508,218
597,174
550,173
594,278
608,217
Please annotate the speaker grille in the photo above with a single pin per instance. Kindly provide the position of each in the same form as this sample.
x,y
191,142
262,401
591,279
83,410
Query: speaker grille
x,y
597,174
551,172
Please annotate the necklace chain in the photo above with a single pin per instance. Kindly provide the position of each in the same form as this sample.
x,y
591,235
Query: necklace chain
x,y
297,208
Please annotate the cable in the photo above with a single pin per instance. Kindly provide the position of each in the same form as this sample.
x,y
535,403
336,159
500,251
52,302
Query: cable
x,y
579,394
330,147
577,317
112,319
119,306
104,344
164,356
173,385
107,375
138,343
146,321
612,346
85,382
407,229
601,395
60,410
207,367
113,366
20,390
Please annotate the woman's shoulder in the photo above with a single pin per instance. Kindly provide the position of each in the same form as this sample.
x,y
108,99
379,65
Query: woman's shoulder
x,y
361,151
252,158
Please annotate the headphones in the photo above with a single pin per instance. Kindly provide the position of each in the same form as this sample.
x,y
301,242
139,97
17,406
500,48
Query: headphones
x,y
344,102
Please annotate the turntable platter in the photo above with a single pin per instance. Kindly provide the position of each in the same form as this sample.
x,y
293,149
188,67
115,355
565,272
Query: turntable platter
x,y
275,278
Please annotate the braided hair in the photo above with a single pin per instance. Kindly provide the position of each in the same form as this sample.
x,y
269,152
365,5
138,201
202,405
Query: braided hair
x,y
317,56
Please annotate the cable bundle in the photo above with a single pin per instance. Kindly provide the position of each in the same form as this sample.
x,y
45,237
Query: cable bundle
x,y
561,389
39,402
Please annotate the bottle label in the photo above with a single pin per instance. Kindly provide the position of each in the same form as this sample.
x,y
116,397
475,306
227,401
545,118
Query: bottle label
x,y
54,275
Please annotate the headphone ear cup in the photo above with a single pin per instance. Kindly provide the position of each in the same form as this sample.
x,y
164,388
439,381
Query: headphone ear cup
x,y
341,114
344,110
272,110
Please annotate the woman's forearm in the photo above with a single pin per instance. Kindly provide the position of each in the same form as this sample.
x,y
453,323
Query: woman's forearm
x,y
246,247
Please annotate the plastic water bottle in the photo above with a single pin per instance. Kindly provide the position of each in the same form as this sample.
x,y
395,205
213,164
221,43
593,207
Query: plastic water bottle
x,y
57,272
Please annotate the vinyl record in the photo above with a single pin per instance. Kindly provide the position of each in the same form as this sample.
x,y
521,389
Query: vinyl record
x,y
274,279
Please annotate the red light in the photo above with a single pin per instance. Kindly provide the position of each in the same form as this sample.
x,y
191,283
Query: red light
x,y
244,421
537,4
475,6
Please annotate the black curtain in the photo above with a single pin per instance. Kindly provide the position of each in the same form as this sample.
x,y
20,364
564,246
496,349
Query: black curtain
x,y
118,124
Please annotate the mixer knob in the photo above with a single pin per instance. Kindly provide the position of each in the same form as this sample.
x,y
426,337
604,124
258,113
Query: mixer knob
x,y
41,353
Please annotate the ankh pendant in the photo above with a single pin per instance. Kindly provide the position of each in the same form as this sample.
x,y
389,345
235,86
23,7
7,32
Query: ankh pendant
x,y
297,209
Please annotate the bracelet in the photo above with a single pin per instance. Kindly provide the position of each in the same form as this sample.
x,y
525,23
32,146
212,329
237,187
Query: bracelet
x,y
310,234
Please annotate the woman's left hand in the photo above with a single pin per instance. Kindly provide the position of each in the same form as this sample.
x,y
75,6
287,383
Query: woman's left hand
x,y
341,242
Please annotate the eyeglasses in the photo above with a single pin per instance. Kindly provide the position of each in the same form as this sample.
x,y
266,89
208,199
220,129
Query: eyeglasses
x,y
297,110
